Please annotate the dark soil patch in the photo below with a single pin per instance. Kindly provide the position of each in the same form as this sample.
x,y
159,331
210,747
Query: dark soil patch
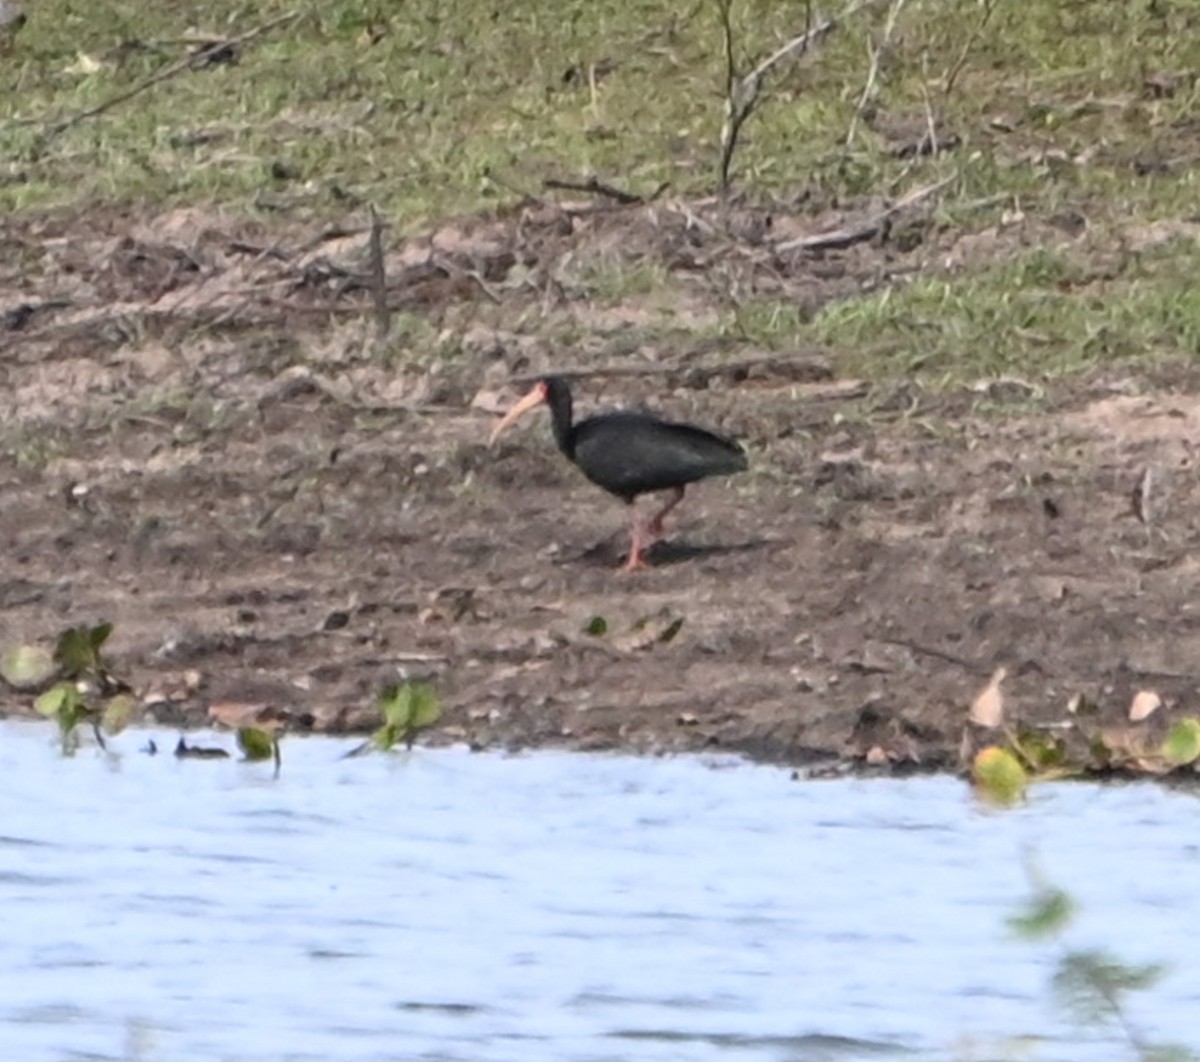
x,y
200,445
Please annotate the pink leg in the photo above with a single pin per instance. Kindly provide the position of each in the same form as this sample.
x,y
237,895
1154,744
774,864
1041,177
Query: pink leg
x,y
655,526
639,539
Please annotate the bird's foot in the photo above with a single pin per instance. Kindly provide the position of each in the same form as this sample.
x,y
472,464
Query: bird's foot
x,y
640,537
655,529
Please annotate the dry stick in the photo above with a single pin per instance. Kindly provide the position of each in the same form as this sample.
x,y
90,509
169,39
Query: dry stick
x,y
191,62
592,90
866,230
930,121
952,74
930,131
737,111
742,96
594,186
876,52
378,277
730,130
938,654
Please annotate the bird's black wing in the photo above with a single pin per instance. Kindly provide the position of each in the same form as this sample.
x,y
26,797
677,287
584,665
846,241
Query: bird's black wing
x,y
630,453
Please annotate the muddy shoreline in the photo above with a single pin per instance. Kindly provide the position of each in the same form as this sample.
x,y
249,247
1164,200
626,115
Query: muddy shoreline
x,y
279,522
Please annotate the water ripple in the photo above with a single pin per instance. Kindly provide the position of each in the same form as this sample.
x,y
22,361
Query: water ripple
x,y
446,905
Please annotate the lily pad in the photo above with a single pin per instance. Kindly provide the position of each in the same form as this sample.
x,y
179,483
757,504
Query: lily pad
x,y
999,776
255,743
1048,912
55,699
26,667
117,713
1182,745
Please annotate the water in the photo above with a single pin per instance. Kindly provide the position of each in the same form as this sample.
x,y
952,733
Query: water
x,y
447,905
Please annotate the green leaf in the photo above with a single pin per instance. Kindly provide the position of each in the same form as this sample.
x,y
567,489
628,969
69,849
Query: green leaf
x,y
1091,983
409,705
386,736
78,648
63,703
999,776
255,743
73,710
406,707
74,651
1047,913
97,636
55,699
395,703
26,666
1041,749
597,627
1182,745
426,710
117,712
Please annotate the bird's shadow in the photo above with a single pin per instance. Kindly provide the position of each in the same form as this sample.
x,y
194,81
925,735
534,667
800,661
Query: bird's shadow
x,y
612,551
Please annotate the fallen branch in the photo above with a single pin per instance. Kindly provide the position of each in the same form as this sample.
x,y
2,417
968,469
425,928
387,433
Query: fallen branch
x,y
866,230
191,62
742,94
594,186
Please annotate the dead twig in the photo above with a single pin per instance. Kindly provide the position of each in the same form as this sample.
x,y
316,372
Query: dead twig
x,y
742,94
987,7
1140,497
875,51
195,61
974,666
930,120
866,230
378,277
732,127
594,186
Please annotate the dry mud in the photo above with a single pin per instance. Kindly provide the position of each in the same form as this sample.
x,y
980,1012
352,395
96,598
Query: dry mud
x,y
204,441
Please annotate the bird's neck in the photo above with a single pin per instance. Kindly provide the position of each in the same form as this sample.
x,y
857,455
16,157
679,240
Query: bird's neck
x,y
561,416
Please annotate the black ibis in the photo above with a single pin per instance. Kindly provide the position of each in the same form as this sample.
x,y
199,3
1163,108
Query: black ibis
x,y
630,453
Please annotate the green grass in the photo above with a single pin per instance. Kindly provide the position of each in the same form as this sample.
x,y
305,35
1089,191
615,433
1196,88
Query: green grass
x,y
1042,316
438,107
418,107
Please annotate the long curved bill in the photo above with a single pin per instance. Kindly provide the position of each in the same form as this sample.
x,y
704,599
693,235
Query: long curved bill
x,y
531,401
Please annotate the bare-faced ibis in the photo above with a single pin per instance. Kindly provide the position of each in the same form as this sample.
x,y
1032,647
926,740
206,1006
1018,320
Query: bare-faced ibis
x,y
630,453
